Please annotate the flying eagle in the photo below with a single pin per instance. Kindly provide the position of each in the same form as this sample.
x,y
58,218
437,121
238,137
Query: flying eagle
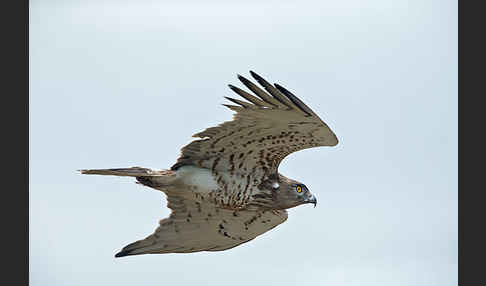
x,y
225,188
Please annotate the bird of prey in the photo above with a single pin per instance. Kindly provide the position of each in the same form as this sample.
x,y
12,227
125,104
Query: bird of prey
x,y
225,188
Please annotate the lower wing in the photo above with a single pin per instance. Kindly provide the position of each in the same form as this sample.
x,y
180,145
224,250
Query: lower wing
x,y
194,226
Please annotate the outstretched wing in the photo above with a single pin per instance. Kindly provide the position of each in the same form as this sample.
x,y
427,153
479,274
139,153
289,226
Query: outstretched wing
x,y
194,226
264,130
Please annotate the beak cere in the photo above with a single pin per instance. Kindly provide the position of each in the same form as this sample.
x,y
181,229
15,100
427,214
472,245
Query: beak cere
x,y
312,200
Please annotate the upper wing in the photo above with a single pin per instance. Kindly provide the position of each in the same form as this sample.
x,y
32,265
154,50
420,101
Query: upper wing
x,y
194,226
265,129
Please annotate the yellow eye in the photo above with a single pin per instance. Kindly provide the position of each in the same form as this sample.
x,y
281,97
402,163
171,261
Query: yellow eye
x,y
299,189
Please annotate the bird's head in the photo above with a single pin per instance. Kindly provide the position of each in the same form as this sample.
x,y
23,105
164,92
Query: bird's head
x,y
287,193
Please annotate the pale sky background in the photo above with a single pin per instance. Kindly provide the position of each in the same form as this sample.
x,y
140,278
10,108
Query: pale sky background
x,y
126,83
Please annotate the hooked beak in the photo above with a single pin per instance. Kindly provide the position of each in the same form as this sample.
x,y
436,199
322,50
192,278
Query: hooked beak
x,y
312,200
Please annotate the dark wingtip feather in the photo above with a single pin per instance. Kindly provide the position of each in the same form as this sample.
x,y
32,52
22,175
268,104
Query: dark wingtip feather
x,y
282,89
257,77
295,100
247,96
243,79
277,94
234,107
122,253
239,102
254,74
234,88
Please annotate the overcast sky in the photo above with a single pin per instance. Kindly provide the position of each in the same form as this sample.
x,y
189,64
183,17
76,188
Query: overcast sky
x,y
126,83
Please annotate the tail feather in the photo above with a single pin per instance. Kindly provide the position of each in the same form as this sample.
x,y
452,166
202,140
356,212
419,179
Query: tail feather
x,y
128,172
144,176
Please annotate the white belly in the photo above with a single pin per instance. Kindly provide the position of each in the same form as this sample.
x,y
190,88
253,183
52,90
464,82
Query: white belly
x,y
198,179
